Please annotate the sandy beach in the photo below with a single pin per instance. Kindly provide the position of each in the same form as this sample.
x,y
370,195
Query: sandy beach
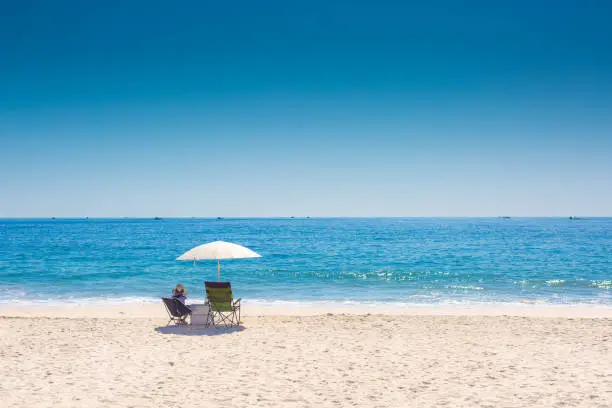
x,y
58,357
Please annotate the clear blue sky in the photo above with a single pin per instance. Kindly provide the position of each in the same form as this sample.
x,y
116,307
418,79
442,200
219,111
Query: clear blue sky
x,y
319,108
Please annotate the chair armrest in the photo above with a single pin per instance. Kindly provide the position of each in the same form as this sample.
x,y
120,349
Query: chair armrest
x,y
237,301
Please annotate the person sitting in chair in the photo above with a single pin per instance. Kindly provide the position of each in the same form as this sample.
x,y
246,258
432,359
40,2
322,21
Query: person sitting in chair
x,y
179,293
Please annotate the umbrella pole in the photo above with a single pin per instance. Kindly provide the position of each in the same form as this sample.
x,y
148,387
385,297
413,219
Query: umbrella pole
x,y
218,270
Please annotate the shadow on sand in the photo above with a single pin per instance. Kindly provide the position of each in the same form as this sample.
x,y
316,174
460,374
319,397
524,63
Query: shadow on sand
x,y
198,331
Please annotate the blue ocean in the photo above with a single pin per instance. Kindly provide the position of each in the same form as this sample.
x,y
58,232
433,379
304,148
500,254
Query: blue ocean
x,y
377,261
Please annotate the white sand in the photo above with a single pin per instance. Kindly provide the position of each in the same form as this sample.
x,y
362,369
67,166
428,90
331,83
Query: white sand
x,y
304,361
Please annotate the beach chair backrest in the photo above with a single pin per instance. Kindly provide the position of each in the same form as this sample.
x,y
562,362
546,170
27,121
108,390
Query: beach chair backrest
x,y
175,307
182,308
171,306
219,296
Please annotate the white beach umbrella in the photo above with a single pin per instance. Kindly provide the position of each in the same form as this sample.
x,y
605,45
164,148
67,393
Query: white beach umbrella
x,y
218,250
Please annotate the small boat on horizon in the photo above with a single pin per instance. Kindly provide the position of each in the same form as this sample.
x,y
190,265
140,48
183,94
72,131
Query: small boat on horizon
x,y
157,218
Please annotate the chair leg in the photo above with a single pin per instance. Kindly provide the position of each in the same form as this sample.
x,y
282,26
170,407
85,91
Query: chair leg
x,y
211,315
231,317
208,321
225,318
220,320
212,319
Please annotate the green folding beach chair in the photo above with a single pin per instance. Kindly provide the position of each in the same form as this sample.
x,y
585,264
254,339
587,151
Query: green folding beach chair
x,y
222,308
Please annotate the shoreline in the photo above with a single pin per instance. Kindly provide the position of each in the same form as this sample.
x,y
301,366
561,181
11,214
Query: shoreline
x,y
152,310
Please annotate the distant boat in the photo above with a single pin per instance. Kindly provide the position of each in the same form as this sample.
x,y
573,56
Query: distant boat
x,y
219,218
505,217
52,218
157,218
574,218
292,216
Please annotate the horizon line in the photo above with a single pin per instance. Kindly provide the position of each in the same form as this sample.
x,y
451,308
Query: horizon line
x,y
160,218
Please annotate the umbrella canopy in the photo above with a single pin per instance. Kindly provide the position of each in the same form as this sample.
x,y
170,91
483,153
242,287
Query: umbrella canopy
x,y
218,250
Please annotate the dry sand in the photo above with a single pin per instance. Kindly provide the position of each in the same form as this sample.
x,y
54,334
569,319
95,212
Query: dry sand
x,y
304,361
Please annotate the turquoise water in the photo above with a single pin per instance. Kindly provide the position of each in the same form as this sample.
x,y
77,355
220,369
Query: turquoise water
x,y
422,261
